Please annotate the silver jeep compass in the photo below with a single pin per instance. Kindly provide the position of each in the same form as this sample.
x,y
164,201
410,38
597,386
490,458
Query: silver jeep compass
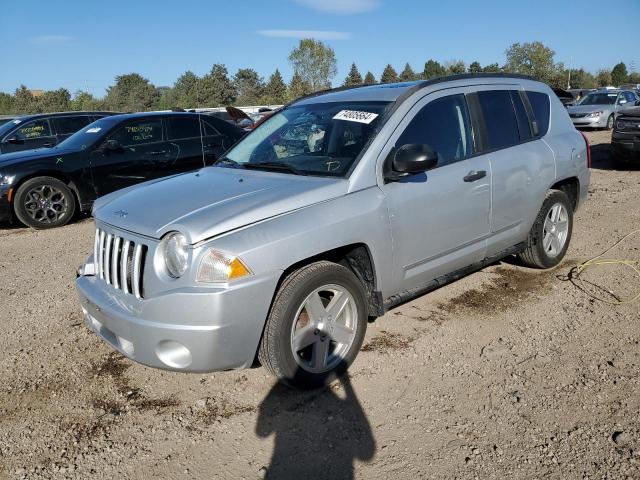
x,y
335,209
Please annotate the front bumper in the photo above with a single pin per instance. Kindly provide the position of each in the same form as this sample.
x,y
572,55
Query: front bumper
x,y
592,122
189,330
626,144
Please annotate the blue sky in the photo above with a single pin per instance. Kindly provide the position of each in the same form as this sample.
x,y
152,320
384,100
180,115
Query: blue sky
x,y
84,44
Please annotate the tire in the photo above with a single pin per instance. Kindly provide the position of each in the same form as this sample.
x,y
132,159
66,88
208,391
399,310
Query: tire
x,y
300,335
44,202
609,123
542,250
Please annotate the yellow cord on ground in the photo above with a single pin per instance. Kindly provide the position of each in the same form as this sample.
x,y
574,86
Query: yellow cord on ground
x,y
598,260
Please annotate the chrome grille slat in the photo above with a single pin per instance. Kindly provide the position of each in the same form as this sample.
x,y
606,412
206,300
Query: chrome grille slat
x,y
119,262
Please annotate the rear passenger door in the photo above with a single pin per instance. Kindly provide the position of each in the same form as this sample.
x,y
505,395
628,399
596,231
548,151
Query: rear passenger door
x,y
214,142
31,134
66,126
439,219
185,143
522,165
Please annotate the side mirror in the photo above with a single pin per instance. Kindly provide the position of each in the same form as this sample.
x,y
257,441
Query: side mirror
x,y
637,103
14,140
411,158
111,146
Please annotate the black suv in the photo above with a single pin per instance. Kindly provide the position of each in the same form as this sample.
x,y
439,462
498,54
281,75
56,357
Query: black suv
x,y
43,130
44,187
625,139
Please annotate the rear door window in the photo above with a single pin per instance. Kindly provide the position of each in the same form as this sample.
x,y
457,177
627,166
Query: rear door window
x,y
524,127
33,130
186,126
137,132
540,105
500,120
69,125
209,129
444,125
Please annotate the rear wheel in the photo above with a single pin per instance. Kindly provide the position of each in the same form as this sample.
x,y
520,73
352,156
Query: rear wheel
x,y
316,325
551,232
44,202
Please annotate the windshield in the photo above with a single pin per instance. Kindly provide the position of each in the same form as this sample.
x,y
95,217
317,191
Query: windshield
x,y
315,139
5,127
599,99
88,135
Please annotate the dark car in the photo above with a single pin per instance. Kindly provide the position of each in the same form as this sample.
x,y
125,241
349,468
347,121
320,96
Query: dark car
x,y
565,97
6,118
625,139
43,130
43,188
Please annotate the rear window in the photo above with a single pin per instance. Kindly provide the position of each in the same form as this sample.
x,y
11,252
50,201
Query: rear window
x,y
68,125
499,118
540,106
183,127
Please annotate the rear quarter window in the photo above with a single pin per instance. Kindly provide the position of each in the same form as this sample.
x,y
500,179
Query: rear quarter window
x,y
541,110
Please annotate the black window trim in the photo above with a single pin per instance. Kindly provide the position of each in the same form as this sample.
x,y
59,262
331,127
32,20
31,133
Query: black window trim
x,y
59,117
169,128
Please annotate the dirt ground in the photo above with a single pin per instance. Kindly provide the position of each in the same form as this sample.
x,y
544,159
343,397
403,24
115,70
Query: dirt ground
x,y
507,373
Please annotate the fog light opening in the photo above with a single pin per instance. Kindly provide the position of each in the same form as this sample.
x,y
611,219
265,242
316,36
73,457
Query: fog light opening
x,y
173,354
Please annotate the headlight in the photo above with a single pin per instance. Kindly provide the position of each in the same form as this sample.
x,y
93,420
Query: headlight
x,y
594,114
216,267
621,124
6,179
175,251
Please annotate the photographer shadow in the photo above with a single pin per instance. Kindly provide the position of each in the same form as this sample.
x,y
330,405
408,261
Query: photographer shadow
x,y
318,434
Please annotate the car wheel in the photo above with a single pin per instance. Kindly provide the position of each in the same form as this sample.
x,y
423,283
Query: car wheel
x,y
44,202
316,325
610,122
551,232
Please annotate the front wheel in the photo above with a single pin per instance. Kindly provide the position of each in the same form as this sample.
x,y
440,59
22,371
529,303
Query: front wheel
x,y
316,325
610,122
44,202
551,232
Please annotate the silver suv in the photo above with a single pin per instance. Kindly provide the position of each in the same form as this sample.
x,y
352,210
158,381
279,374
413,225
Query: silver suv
x,y
337,208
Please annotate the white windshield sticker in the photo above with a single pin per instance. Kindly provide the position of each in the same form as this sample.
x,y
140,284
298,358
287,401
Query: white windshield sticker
x,y
93,130
355,116
16,121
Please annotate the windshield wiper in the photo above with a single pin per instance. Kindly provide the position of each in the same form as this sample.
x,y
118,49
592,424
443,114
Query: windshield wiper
x,y
228,162
285,167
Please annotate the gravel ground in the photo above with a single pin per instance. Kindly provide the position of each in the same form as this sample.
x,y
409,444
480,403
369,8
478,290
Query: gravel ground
x,y
507,373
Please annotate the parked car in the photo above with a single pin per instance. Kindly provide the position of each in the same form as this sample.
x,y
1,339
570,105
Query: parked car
x,y
43,188
625,139
598,109
334,210
43,130
6,118
565,97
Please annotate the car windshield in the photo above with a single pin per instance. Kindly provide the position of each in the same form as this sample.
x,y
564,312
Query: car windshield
x,y
87,136
5,127
314,139
599,99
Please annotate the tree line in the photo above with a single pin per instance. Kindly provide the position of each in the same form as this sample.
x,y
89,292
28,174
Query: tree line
x,y
314,69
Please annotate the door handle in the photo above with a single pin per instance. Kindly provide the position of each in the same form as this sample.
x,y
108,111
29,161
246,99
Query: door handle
x,y
159,152
474,175
48,144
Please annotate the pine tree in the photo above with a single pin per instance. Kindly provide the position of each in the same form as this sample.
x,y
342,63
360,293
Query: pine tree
x,y
432,69
369,79
407,74
354,77
275,92
389,75
216,88
475,67
298,87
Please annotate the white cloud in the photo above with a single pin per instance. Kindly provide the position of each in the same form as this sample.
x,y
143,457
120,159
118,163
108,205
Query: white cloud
x,y
340,7
317,34
50,40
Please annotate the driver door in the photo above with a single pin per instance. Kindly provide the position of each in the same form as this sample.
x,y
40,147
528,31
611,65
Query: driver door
x,y
439,218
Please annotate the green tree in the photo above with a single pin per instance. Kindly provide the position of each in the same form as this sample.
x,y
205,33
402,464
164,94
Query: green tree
x,y
369,79
6,103
580,78
216,87
24,101
475,67
83,101
634,77
249,85
533,59
298,87
167,98
407,74
619,74
455,67
603,78
132,92
389,75
492,68
185,91
432,69
54,101
275,91
354,78
315,63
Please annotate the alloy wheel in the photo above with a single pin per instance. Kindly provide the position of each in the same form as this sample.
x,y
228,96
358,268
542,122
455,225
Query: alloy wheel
x,y
45,204
555,230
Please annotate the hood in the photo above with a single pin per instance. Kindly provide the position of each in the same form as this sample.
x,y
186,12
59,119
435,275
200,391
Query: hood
x,y
628,112
212,201
589,108
26,155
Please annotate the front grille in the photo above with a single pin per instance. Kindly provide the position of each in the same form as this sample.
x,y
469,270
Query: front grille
x,y
578,115
119,262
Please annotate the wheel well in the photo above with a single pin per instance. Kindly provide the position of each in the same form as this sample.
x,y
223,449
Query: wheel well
x,y
571,187
56,175
357,258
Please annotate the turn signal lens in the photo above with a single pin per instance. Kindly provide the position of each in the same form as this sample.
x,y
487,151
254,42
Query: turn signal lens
x,y
216,267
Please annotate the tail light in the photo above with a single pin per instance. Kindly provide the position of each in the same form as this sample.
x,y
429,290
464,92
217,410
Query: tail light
x,y
586,141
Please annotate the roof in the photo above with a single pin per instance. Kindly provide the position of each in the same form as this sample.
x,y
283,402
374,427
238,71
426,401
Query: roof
x,y
123,116
32,116
391,92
